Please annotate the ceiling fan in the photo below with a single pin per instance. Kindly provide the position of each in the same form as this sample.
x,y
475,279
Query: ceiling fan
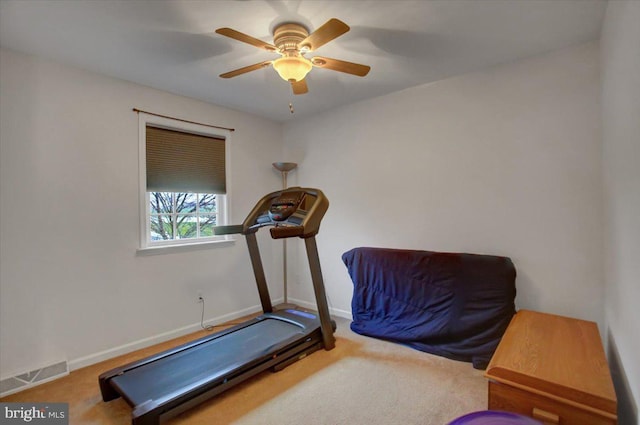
x,y
292,41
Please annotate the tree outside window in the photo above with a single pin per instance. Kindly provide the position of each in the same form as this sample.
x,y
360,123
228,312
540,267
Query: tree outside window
x,y
175,215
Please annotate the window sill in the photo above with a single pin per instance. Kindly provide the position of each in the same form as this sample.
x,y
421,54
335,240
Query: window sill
x,y
196,246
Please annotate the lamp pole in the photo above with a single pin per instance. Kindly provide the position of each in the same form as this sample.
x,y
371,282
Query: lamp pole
x,y
284,168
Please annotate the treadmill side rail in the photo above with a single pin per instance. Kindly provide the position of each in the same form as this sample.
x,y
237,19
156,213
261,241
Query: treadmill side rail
x,y
109,393
152,412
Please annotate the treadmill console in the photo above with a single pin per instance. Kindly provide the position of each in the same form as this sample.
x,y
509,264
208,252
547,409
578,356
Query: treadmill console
x,y
285,205
296,211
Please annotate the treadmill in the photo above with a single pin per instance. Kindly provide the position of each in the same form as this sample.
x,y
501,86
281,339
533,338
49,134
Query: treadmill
x,y
168,383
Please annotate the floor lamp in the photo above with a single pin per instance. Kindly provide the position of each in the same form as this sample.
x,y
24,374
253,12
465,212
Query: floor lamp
x,y
284,168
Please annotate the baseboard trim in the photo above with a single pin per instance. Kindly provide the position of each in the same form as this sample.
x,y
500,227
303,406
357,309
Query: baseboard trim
x,y
156,339
627,408
312,306
20,382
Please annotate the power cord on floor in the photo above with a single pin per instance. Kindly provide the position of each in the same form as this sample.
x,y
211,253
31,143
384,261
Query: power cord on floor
x,y
206,328
210,328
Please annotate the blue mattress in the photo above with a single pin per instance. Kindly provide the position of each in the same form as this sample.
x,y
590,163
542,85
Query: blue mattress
x,y
450,304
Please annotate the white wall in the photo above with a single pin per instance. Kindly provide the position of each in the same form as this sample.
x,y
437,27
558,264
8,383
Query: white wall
x,y
505,161
621,153
70,280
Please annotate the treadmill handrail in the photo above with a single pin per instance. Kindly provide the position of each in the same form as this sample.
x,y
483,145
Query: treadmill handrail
x,y
231,229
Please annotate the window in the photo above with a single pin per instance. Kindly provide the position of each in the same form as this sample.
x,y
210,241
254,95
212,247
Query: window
x,y
184,184
181,215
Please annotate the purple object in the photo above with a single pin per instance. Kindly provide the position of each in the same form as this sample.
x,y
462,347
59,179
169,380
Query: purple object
x,y
494,417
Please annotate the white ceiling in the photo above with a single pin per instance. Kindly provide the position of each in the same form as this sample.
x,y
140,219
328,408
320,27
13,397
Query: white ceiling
x,y
171,44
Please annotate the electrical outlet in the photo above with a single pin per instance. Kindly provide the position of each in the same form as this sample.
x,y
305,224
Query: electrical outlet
x,y
199,298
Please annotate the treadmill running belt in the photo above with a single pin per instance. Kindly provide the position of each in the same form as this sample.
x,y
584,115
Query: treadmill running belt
x,y
208,361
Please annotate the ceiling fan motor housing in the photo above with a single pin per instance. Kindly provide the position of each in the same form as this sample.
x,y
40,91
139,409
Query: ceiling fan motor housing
x,y
287,37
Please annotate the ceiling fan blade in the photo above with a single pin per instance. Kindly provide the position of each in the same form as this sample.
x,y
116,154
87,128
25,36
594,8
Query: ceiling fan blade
x,y
332,29
246,69
237,35
299,87
342,66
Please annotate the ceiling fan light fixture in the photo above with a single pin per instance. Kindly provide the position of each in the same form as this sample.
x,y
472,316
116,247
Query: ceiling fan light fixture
x,y
293,68
292,41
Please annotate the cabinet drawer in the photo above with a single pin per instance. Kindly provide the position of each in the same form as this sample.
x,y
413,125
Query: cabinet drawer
x,y
549,411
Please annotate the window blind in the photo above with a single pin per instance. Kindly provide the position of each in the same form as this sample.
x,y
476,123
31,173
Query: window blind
x,y
184,162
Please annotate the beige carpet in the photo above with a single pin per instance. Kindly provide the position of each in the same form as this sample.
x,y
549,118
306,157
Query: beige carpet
x,y
362,381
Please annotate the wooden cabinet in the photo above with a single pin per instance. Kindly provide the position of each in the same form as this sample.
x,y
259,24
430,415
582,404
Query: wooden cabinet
x,y
552,368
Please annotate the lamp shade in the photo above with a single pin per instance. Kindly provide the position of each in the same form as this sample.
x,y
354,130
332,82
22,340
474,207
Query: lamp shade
x,y
292,68
284,166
